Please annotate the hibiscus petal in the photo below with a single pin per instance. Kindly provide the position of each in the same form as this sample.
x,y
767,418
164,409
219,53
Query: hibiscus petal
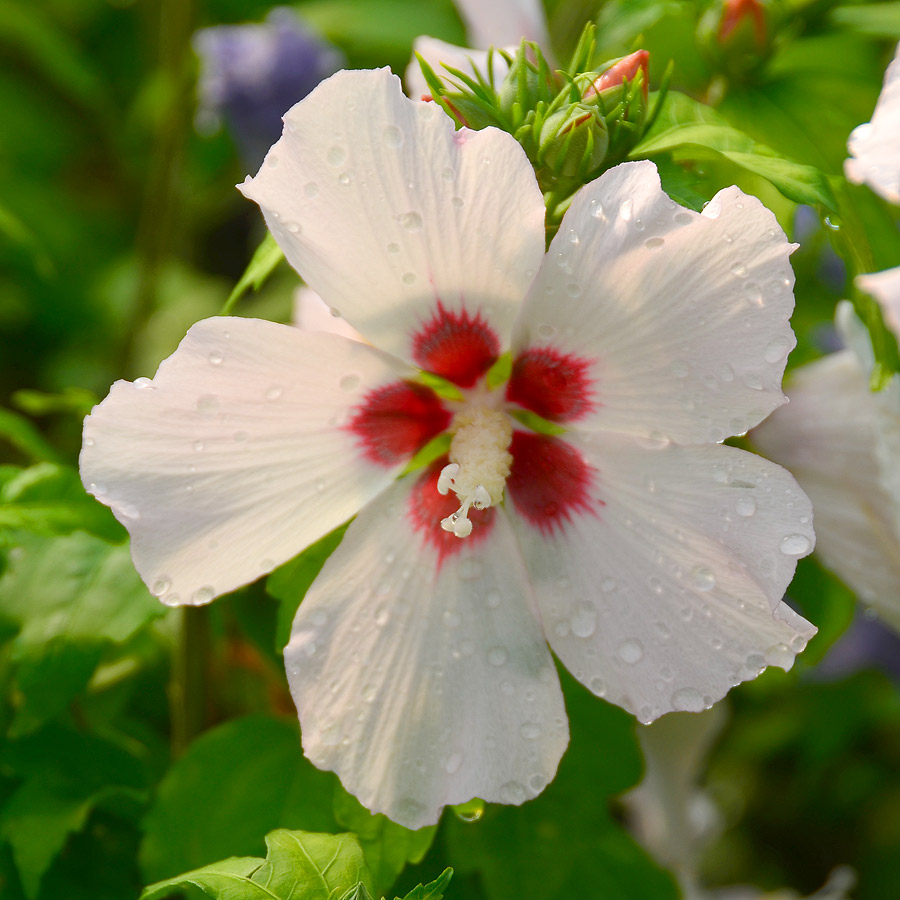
x,y
312,313
666,323
831,436
874,147
423,678
502,22
667,591
391,216
885,288
236,455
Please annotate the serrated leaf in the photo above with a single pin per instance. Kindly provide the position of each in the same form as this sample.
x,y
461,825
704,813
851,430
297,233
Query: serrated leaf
x,y
289,583
434,890
234,784
696,131
299,865
262,264
387,846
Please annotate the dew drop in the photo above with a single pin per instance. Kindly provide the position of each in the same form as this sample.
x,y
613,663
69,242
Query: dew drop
x,y
537,782
740,270
215,358
493,599
497,656
452,618
598,686
513,792
411,221
88,442
584,621
274,392
393,247
142,384
408,278
654,243
688,700
745,506
626,210
349,383
453,762
596,209
753,292
292,227
382,616
336,155
682,218
631,652
203,595
311,189
369,692
530,731
448,174
777,350
198,445
795,545
393,136
207,403
344,178
702,578
161,586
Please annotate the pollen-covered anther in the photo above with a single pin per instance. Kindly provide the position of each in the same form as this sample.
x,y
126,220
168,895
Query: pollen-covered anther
x,y
479,464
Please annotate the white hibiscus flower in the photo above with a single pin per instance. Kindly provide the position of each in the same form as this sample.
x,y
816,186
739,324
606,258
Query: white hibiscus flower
x,y
875,146
843,443
650,558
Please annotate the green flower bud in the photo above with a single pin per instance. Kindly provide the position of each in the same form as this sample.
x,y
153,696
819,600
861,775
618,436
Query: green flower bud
x,y
735,36
573,140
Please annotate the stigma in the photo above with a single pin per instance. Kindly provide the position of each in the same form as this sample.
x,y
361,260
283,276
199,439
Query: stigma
x,y
479,464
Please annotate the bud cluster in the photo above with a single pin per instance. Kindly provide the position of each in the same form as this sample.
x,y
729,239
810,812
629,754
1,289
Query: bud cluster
x,y
573,124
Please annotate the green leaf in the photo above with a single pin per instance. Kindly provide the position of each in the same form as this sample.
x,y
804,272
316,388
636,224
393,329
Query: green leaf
x,y
357,892
233,785
697,132
434,890
266,257
388,847
15,231
73,401
299,865
69,598
49,499
289,583
19,432
881,20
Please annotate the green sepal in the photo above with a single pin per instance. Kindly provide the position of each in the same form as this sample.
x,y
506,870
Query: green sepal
x,y
262,264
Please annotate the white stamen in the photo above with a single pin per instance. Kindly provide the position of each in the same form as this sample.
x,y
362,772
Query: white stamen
x,y
479,464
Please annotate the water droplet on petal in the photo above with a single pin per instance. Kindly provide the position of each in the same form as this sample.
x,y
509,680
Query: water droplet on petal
x,y
795,545
596,209
452,618
292,227
161,586
626,210
702,578
411,221
311,189
631,652
654,243
584,620
349,383
740,270
393,247
530,731
344,178
688,700
393,136
513,792
203,595
745,506
142,384
453,762
382,615
274,392
493,599
777,350
336,155
408,277
497,656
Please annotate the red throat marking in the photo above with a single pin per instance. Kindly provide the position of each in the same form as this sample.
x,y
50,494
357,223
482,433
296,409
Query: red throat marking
x,y
456,346
549,481
396,420
554,385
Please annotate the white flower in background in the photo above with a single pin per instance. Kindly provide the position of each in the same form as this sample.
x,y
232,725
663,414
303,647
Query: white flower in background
x,y
651,558
842,442
875,146
500,23
676,820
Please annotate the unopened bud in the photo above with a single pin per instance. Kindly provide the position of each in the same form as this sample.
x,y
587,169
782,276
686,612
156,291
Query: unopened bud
x,y
734,36
573,140
627,69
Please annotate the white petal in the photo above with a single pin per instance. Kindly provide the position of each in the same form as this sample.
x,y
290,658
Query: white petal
x,y
831,436
669,592
385,210
885,288
439,54
502,22
682,317
876,144
233,458
425,685
311,313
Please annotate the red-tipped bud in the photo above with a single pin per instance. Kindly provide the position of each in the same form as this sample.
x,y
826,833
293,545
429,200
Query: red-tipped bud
x,y
737,11
626,69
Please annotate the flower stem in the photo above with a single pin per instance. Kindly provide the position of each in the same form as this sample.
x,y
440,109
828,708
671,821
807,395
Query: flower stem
x,y
188,694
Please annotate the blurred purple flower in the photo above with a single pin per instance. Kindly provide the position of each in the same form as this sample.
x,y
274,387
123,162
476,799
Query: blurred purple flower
x,y
250,75
867,644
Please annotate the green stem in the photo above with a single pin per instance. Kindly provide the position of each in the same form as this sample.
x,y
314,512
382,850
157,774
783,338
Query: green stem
x,y
188,687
